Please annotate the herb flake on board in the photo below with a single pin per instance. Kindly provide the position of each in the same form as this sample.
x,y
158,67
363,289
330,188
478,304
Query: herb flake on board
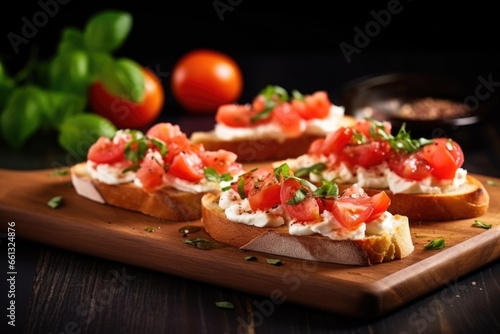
x,y
437,243
201,243
55,202
478,223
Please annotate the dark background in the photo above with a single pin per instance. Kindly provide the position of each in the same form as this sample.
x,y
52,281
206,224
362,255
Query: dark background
x,y
293,44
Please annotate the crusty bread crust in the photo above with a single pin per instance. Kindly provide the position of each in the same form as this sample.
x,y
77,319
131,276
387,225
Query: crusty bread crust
x,y
166,203
261,149
277,241
470,201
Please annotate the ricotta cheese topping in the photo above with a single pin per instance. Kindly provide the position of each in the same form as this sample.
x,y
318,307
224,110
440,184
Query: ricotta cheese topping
x,y
113,174
274,131
239,211
378,177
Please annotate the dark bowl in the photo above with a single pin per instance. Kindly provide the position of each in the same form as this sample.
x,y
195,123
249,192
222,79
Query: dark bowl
x,y
430,105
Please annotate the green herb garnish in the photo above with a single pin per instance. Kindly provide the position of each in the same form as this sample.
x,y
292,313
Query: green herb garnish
x,y
275,262
225,305
315,169
437,243
492,183
59,172
273,95
201,243
55,201
149,229
478,223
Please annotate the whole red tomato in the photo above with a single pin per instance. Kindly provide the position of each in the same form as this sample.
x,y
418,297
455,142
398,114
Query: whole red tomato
x,y
202,80
124,113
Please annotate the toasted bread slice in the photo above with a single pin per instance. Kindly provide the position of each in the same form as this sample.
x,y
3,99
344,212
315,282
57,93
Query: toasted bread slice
x,y
470,201
278,241
261,148
166,203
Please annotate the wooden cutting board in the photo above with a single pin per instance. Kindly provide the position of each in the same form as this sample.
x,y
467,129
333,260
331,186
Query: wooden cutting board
x,y
95,229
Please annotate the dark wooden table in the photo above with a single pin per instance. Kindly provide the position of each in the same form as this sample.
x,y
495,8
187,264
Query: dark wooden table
x,y
59,291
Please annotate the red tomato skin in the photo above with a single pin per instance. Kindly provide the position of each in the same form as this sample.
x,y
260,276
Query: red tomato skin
x,y
317,105
126,114
187,165
307,210
150,172
106,151
443,160
203,79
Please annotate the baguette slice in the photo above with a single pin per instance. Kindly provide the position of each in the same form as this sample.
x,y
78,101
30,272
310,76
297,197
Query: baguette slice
x,y
166,203
261,148
470,201
368,251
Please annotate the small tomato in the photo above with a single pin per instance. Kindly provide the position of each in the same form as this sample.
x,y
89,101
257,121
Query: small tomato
x,y
124,113
203,80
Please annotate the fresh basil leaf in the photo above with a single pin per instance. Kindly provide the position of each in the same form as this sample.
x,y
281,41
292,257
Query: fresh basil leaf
x,y
71,40
23,115
55,202
437,243
479,223
99,63
107,30
125,80
69,72
63,105
79,132
225,304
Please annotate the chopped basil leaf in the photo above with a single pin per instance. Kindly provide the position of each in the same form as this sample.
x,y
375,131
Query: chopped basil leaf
x,y
299,196
275,262
437,243
282,170
225,304
492,183
327,189
316,169
478,223
201,243
212,175
273,96
241,188
55,201
59,172
149,229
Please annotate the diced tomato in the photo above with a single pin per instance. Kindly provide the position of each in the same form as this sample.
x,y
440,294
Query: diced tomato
x,y
261,187
264,197
317,105
352,211
174,138
235,115
316,146
187,165
221,160
169,133
151,171
366,155
445,156
290,121
364,127
409,166
106,151
335,141
259,103
381,202
305,210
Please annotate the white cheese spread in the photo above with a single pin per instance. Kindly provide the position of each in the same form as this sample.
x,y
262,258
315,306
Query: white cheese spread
x,y
274,130
377,177
239,211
